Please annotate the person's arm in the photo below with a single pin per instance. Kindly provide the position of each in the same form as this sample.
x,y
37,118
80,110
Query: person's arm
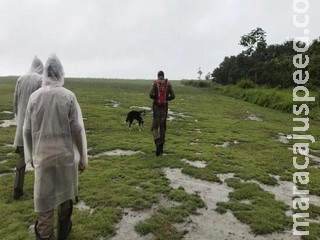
x,y
27,136
170,93
16,98
153,91
79,134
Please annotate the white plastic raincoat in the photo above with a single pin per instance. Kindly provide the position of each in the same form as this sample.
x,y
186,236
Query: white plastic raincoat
x,y
54,138
25,85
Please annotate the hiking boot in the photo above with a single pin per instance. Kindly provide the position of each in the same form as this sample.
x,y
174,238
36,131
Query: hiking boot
x,y
161,148
158,148
19,181
17,193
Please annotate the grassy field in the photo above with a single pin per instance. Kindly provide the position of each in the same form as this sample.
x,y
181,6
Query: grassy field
x,y
202,119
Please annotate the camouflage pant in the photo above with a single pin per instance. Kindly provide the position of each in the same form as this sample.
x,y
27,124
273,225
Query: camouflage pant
x,y
159,123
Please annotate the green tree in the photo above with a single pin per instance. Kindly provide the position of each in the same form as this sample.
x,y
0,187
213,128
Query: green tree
x,y
254,41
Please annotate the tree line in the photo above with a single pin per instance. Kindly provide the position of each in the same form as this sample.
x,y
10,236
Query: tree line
x,y
267,65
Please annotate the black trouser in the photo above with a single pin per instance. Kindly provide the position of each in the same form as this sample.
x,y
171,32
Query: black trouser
x,y
20,172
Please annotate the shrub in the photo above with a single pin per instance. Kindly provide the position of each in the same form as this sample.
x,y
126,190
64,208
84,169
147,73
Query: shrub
x,y
245,83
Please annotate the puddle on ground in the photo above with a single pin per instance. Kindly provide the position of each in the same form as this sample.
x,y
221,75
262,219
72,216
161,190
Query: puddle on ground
x,y
112,103
7,123
227,144
81,205
173,115
131,218
170,118
117,152
198,164
246,201
209,224
281,137
4,161
6,112
31,229
142,107
6,174
253,117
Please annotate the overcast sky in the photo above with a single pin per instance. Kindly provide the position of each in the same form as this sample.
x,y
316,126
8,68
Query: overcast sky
x,y
136,38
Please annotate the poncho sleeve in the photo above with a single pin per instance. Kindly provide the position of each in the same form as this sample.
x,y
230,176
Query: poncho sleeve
x,y
78,132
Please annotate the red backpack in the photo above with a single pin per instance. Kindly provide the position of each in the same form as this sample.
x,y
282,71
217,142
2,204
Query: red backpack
x,y
162,87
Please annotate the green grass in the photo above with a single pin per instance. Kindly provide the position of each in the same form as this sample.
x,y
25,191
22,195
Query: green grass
x,y
264,214
280,99
111,184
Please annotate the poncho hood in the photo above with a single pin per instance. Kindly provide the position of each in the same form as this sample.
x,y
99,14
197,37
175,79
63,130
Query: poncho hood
x,y
36,66
53,72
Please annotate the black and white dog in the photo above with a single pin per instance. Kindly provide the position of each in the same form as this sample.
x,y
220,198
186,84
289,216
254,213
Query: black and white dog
x,y
136,115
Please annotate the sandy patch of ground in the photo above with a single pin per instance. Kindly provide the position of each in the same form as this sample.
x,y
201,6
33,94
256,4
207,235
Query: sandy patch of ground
x,y
142,107
281,137
253,117
283,192
6,112
198,164
131,218
118,152
209,224
173,115
6,174
227,144
3,161
81,205
7,123
112,103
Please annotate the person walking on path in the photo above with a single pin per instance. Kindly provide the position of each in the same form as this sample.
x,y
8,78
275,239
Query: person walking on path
x,y
25,85
161,92
56,145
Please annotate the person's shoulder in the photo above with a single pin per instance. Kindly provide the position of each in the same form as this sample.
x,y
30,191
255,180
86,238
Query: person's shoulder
x,y
22,77
68,92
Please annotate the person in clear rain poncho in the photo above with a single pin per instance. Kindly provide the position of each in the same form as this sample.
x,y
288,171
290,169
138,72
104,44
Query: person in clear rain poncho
x,y
55,144
25,85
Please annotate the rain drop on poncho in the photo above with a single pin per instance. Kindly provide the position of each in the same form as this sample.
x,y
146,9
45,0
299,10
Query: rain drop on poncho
x,y
54,138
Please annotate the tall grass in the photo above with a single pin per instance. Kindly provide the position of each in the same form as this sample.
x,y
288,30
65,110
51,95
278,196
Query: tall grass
x,y
279,99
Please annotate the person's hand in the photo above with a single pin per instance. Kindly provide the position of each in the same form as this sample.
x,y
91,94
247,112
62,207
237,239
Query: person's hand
x,y
81,167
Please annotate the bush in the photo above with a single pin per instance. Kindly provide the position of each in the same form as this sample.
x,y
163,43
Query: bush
x,y
245,83
196,83
279,99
